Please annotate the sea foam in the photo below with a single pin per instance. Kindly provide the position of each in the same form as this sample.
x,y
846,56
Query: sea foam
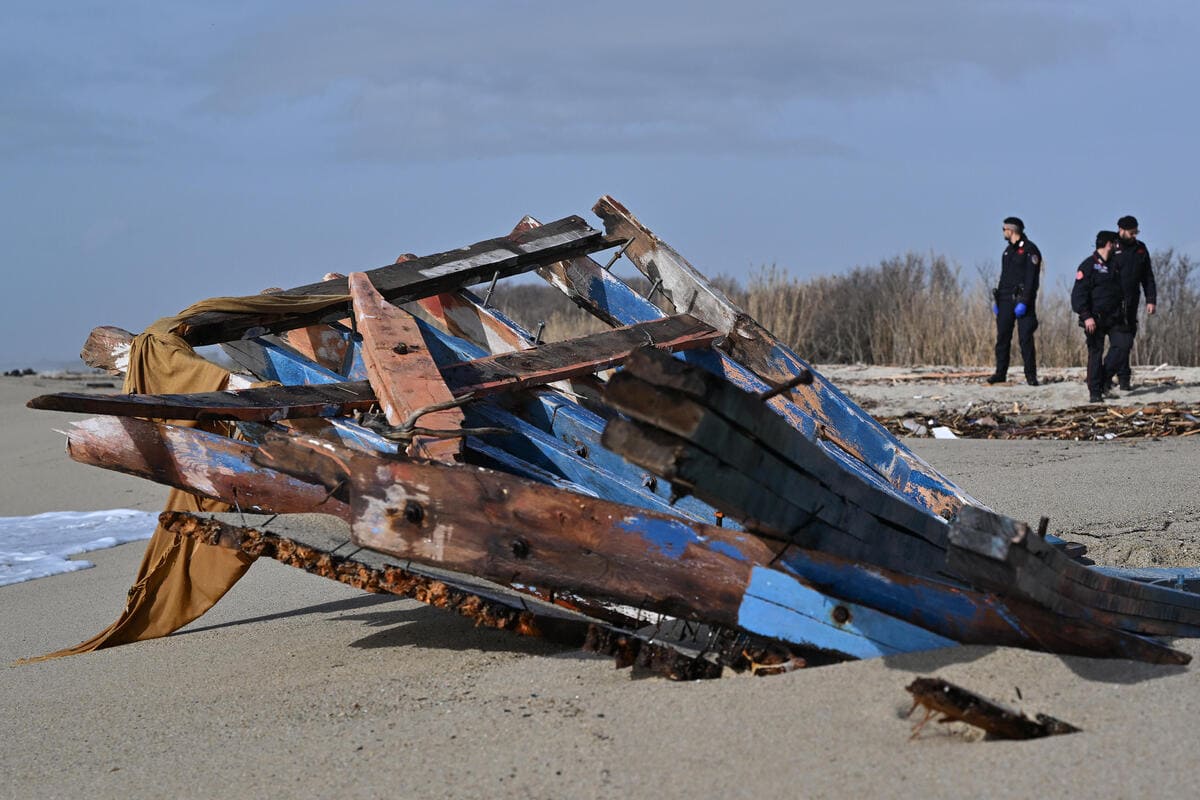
x,y
39,546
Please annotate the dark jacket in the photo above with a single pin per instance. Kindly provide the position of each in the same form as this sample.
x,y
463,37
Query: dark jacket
x,y
1020,269
1137,275
1098,292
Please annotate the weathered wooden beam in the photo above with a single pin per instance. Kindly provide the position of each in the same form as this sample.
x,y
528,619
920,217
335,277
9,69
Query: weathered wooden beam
x,y
520,533
695,404
267,404
196,461
588,354
414,279
1005,556
403,373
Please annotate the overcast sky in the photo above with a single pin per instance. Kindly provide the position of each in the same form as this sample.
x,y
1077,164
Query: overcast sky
x,y
153,154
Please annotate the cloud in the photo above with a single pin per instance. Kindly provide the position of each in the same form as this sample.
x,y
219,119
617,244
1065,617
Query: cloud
x,y
375,80
503,79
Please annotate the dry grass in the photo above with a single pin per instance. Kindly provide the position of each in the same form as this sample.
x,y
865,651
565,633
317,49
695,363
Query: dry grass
x,y
911,310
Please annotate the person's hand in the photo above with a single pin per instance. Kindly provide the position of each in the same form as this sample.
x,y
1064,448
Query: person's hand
x,y
1150,308
1089,325
1020,310
995,309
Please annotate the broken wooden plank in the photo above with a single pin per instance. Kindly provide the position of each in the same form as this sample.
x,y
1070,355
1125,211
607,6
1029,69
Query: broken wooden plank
x,y
569,358
267,404
1003,555
196,461
957,704
412,280
107,348
405,377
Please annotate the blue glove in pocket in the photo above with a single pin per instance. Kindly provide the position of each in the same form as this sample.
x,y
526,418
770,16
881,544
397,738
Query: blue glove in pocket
x,y
1020,310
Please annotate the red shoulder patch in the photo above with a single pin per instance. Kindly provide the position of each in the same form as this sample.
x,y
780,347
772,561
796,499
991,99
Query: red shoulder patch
x,y
1079,275
1021,251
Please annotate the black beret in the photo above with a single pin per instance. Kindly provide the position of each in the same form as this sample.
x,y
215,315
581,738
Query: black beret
x,y
1015,222
1104,237
1127,223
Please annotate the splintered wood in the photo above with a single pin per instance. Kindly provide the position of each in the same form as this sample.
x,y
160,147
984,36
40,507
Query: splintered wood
x,y
1075,424
956,704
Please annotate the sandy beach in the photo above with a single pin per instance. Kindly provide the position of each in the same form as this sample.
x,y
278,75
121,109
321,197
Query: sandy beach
x,y
296,686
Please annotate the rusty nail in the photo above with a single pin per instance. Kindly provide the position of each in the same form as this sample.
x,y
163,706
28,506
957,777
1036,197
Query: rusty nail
x,y
487,298
650,482
654,288
803,379
581,451
618,254
1043,526
720,520
537,337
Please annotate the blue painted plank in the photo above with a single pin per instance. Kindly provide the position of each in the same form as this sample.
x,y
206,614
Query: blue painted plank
x,y
777,602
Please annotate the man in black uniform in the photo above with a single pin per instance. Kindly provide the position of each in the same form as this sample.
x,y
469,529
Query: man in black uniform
x,y
1098,297
1132,258
1015,301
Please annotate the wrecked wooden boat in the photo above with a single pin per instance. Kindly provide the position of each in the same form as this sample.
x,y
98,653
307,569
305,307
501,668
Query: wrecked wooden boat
x,y
681,491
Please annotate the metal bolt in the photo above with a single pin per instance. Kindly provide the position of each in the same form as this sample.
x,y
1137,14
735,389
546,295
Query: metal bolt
x,y
841,615
520,548
401,348
413,512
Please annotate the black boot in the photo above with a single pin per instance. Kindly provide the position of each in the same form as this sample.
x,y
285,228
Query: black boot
x,y
997,378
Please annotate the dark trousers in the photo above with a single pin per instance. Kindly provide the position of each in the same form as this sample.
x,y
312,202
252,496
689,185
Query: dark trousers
x,y
1123,373
1006,318
1100,367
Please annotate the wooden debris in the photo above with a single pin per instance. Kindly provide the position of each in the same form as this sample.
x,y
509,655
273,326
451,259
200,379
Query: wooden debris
x,y
334,558
588,354
107,348
1084,423
196,461
414,279
956,704
404,375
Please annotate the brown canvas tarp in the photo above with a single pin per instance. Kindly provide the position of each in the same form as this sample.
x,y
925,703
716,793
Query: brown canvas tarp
x,y
179,578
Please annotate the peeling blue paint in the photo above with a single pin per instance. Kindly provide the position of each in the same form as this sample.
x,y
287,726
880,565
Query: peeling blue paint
x,y
670,537
782,607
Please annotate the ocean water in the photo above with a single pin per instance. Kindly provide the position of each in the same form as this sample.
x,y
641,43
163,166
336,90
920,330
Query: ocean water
x,y
39,546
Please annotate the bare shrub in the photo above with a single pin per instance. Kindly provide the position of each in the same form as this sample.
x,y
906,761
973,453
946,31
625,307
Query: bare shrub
x,y
910,309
